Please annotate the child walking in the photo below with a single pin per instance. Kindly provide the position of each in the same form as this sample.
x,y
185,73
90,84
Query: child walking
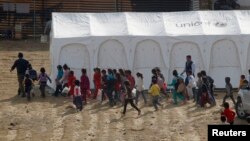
x,y
77,100
228,113
33,76
71,83
155,93
28,83
175,85
229,91
85,85
43,78
59,76
129,98
140,88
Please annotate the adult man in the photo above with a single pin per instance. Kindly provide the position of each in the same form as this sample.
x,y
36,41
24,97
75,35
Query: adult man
x,y
21,66
189,66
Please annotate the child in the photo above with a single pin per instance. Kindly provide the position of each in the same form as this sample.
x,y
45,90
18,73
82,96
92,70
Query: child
x,y
228,113
229,91
182,90
85,85
198,88
32,73
130,78
33,76
242,78
223,120
71,83
43,78
118,85
110,87
191,85
58,78
245,85
28,85
97,81
206,96
175,84
77,101
64,79
129,98
140,88
104,85
155,93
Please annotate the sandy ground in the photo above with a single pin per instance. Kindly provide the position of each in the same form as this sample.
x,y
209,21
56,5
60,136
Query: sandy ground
x,y
49,119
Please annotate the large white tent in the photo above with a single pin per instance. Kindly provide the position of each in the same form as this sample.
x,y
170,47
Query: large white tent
x,y
218,42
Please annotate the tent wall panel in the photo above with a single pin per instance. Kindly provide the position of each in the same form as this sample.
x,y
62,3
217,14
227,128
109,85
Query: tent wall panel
x,y
148,51
225,56
112,55
76,56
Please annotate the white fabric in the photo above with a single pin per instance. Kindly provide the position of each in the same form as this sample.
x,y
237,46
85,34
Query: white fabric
x,y
151,24
139,84
192,82
218,42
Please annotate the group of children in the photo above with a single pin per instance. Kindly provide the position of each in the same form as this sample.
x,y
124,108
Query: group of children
x,y
200,90
30,77
117,86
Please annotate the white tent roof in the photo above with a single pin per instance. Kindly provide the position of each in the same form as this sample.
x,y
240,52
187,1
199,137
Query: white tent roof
x,y
69,25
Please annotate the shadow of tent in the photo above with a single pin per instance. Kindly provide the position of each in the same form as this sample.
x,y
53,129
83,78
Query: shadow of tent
x,y
79,58
225,62
148,55
112,55
178,57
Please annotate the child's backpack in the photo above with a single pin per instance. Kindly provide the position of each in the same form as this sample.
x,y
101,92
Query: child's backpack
x,y
43,78
33,74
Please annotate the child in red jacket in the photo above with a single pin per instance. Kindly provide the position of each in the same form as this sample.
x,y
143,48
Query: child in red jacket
x,y
228,113
85,85
71,83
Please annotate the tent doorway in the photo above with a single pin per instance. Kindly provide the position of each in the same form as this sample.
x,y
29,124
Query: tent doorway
x,y
76,56
148,55
225,62
112,55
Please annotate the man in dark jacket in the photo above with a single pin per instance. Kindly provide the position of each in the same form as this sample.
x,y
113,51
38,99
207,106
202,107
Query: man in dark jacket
x,y
21,66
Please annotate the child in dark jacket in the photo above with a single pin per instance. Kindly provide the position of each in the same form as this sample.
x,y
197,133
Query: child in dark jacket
x,y
28,83
228,113
129,98
43,78
229,91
